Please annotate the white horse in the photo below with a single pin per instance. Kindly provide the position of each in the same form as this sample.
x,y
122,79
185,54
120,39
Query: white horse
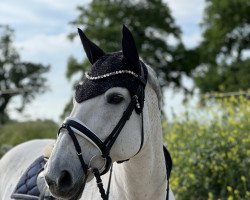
x,y
140,173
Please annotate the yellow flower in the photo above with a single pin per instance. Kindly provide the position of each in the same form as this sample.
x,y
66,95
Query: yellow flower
x,y
243,178
229,189
191,176
236,192
210,196
230,198
231,139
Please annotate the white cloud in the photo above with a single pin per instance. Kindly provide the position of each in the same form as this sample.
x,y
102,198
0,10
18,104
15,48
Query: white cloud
x,y
65,5
13,14
44,44
188,15
192,40
41,29
187,10
31,17
53,50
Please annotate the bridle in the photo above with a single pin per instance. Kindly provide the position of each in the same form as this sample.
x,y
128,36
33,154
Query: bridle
x,y
75,126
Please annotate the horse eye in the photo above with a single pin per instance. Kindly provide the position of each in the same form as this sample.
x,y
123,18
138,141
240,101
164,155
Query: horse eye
x,y
115,98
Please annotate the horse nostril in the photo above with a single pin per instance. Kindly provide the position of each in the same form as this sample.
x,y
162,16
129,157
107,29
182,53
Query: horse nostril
x,y
65,180
49,181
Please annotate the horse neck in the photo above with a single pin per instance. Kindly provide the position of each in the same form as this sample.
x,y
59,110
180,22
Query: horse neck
x,y
144,176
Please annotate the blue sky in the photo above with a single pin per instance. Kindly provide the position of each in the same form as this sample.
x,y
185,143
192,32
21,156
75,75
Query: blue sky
x,y
41,28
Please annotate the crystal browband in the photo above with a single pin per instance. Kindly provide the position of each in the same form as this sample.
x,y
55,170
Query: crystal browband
x,y
110,74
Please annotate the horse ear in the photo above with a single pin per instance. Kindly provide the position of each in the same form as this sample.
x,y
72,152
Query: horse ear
x,y
129,49
92,50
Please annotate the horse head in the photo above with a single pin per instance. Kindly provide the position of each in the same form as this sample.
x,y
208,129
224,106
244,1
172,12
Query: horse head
x,y
106,123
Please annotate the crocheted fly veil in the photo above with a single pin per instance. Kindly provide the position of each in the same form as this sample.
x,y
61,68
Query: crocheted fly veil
x,y
120,69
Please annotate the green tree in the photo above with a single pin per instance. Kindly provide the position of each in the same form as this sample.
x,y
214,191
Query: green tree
x,y
17,78
152,26
225,47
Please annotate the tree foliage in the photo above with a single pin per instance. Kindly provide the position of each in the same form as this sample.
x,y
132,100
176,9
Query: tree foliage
x,y
17,78
225,47
152,26
211,151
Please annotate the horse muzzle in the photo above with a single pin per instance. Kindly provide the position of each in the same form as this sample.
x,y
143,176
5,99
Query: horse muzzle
x,y
63,186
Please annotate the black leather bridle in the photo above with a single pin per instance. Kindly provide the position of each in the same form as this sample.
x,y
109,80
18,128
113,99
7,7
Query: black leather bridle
x,y
75,126
136,103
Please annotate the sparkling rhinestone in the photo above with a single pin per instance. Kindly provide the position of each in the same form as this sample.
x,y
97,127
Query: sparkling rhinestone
x,y
110,74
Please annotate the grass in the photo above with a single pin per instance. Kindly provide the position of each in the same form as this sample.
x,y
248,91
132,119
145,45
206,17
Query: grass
x,y
14,133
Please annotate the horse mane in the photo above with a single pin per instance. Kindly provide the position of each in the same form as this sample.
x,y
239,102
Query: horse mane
x,y
153,81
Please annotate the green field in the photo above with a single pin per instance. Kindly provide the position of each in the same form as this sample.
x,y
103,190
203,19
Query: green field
x,y
14,133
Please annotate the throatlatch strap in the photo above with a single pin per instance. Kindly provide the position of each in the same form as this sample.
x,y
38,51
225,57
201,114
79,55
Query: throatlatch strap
x,y
142,133
169,163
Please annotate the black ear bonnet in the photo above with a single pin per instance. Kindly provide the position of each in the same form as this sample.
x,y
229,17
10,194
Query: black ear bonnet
x,y
88,89
103,64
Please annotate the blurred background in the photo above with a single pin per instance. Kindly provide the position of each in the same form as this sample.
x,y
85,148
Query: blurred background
x,y
199,49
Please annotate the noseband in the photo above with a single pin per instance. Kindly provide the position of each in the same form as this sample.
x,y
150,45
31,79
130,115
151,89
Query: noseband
x,y
75,126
